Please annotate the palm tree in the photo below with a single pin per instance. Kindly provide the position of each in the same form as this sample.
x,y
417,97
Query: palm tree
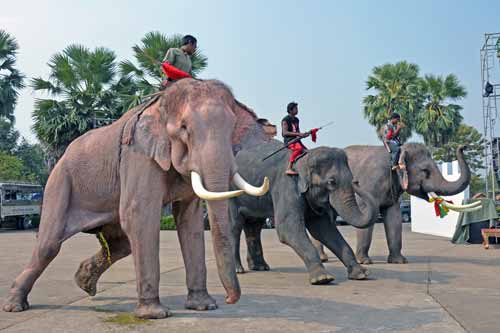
x,y
11,80
439,118
81,84
397,90
145,78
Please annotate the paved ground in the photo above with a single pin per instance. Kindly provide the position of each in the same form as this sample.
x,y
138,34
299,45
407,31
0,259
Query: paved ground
x,y
445,288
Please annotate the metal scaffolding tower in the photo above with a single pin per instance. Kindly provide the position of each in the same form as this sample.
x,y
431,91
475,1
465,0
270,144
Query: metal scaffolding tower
x,y
490,91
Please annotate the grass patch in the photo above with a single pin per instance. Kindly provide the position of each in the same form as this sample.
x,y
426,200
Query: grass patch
x,y
124,318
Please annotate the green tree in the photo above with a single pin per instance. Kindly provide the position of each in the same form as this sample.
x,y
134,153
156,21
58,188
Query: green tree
x,y
82,86
474,153
11,168
440,118
144,76
33,158
11,80
8,136
397,90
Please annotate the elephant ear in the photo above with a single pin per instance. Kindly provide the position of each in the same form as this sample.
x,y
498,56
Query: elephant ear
x,y
304,180
249,130
146,133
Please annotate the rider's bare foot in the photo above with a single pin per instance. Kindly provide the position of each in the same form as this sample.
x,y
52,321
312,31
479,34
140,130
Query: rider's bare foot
x,y
291,172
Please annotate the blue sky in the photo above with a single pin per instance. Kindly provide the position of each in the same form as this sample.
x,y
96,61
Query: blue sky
x,y
318,53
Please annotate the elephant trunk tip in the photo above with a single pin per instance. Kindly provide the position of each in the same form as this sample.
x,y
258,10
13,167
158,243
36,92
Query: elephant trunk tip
x,y
233,297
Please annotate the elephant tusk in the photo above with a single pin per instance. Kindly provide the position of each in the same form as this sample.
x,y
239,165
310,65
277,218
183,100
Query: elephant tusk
x,y
203,193
457,207
466,210
250,189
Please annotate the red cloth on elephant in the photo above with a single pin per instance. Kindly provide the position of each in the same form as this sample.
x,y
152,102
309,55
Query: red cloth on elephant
x,y
297,149
172,72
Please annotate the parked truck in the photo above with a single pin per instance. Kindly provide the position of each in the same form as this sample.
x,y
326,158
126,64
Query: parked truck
x,y
20,203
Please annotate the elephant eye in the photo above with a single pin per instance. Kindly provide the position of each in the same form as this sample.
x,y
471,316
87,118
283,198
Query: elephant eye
x,y
331,182
427,173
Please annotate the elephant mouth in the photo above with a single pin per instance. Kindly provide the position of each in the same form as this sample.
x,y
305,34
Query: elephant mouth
x,y
421,193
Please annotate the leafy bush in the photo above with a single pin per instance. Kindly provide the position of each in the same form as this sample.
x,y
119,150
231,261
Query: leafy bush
x,y
167,223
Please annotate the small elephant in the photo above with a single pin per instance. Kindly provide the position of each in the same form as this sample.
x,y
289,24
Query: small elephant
x,y
371,166
177,148
323,188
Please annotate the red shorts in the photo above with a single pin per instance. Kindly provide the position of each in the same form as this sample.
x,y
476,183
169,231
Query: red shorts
x,y
297,149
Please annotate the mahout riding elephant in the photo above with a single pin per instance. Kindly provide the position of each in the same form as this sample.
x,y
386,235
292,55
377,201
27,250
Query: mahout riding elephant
x,y
371,166
323,188
177,148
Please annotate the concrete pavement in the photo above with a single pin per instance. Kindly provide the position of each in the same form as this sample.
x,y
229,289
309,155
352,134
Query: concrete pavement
x,y
444,288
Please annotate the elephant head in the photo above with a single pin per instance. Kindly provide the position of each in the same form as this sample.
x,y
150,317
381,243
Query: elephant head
x,y
424,176
193,129
326,181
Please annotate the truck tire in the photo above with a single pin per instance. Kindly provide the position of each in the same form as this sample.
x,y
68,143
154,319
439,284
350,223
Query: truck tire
x,y
20,223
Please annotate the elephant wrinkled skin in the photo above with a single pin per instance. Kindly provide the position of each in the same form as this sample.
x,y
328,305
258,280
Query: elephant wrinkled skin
x,y
371,166
311,200
117,178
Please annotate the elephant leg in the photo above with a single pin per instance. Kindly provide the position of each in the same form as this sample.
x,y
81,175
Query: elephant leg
x,y
327,233
393,224
237,221
255,254
188,218
364,241
140,213
51,235
321,250
91,269
291,230
45,251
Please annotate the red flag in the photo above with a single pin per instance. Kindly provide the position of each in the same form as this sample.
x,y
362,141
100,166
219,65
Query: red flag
x,y
172,72
313,134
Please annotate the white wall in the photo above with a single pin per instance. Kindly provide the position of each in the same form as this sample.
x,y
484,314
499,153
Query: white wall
x,y
423,217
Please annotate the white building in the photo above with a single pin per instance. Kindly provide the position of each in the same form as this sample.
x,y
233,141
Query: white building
x,y
423,217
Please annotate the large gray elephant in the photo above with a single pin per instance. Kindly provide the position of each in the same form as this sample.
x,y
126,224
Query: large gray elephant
x,y
311,200
178,148
371,166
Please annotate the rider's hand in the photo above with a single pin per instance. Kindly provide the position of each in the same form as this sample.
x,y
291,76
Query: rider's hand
x,y
304,135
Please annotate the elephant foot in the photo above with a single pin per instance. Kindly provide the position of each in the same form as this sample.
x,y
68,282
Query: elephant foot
x,y
399,259
259,267
239,268
257,263
358,273
151,310
86,279
320,276
364,260
200,300
323,257
16,303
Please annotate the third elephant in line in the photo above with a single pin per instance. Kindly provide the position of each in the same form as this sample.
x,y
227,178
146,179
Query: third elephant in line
x,y
371,166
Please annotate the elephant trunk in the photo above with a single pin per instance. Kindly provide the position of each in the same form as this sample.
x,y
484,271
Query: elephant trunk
x,y
441,186
347,207
223,249
217,176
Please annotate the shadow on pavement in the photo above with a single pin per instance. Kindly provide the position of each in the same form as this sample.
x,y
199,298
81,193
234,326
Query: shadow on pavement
x,y
344,316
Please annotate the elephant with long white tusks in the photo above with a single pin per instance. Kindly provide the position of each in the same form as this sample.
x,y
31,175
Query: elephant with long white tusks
x,y
177,148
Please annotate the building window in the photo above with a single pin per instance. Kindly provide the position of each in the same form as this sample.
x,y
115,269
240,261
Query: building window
x,y
449,166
